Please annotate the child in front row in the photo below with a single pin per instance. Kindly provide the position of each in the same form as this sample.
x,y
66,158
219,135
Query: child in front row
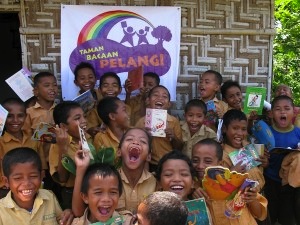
x,y
208,152
193,129
159,98
26,203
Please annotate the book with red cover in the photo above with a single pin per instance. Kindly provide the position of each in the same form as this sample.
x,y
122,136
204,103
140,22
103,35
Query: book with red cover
x,y
136,78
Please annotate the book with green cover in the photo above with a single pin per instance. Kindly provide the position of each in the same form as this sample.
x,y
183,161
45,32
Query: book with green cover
x,y
197,212
254,99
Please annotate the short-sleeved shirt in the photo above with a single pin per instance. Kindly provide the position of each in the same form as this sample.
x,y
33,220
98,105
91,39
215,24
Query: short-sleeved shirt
x,y
131,198
135,104
255,173
189,141
45,210
162,145
106,139
9,142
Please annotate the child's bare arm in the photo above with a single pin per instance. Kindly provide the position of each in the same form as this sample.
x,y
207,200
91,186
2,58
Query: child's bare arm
x,y
254,205
199,193
128,84
66,217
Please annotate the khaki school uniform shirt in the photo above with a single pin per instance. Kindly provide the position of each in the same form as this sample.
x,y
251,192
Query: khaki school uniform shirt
x,y
290,169
189,141
132,197
45,210
135,104
162,145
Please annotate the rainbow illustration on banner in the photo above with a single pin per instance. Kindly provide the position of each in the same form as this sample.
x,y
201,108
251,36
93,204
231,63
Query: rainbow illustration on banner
x,y
100,25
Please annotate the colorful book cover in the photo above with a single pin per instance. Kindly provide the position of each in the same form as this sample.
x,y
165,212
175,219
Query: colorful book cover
x,y
3,116
222,184
21,85
211,115
86,101
136,78
156,120
263,134
247,155
254,99
44,133
197,214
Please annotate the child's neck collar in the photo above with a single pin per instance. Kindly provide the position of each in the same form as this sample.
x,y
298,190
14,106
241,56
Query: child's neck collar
x,y
208,99
45,104
286,129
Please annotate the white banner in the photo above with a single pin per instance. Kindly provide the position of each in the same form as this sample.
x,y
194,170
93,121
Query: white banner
x,y
119,39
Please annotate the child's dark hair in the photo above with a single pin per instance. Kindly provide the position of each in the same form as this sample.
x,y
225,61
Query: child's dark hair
x,y
218,76
109,74
62,110
10,101
154,76
228,84
233,114
103,170
213,143
281,97
164,207
196,103
175,154
84,65
159,86
39,76
20,155
135,128
106,106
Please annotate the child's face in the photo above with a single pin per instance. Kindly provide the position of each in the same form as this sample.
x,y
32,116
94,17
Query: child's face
x,y
121,117
159,99
46,89
176,177
208,86
135,149
283,113
102,197
283,90
86,79
204,156
236,132
15,118
141,215
24,182
110,87
149,83
234,97
76,117
194,118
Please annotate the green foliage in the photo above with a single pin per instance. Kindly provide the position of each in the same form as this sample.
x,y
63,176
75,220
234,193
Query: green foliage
x,y
287,46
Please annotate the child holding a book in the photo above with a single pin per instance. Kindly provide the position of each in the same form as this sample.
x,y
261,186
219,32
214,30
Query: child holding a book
x,y
209,86
208,152
283,198
69,117
138,103
193,129
159,98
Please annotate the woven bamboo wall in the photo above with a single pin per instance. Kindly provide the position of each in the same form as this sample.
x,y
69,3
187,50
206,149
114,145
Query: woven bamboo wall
x,y
233,37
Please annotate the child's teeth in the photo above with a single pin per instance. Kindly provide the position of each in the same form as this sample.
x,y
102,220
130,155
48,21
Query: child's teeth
x,y
26,192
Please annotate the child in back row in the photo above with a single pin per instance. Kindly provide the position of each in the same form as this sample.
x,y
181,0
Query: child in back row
x,y
26,203
138,102
208,152
232,94
209,86
159,98
193,129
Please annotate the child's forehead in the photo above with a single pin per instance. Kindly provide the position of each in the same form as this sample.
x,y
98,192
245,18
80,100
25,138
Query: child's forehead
x,y
203,149
103,180
208,76
47,79
282,102
149,79
160,90
195,108
136,133
23,168
110,79
14,106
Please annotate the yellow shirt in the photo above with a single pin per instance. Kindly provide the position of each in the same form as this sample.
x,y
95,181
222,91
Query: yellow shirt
x,y
189,141
135,104
45,210
105,139
9,142
162,145
37,114
131,198
290,169
254,174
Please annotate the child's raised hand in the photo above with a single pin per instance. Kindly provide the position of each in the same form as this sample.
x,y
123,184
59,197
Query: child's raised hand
x,y
169,133
200,193
264,159
62,137
219,112
239,167
250,194
253,116
66,217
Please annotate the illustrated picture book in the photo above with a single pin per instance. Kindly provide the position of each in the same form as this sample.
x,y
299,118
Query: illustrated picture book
x,y
197,212
44,133
156,121
254,99
3,116
136,78
86,101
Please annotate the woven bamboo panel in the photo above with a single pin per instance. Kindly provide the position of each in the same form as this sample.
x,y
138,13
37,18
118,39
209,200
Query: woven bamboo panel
x,y
233,37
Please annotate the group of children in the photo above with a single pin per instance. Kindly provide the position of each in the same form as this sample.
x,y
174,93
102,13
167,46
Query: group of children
x,y
175,163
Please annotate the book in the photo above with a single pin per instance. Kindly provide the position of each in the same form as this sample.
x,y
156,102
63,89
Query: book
x,y
3,117
263,134
211,117
45,132
254,99
197,212
84,143
136,78
247,155
21,85
86,101
281,150
222,184
156,121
